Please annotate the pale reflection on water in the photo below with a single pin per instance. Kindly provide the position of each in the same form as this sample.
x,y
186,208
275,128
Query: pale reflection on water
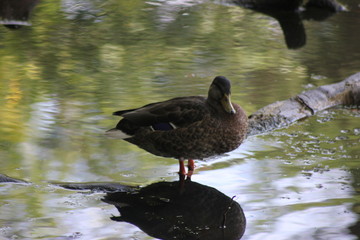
x,y
62,78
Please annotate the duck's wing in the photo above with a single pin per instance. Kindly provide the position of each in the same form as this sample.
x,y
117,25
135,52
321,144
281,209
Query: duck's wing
x,y
176,112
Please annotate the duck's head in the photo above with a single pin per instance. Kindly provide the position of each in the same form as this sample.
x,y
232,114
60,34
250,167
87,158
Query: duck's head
x,y
219,94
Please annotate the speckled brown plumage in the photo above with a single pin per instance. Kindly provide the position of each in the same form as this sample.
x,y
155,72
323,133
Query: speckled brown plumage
x,y
191,127
212,135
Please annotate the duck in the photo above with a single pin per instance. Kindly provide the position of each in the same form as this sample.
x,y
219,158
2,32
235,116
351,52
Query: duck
x,y
186,128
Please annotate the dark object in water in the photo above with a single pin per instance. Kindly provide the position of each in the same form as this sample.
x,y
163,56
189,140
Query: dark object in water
x,y
291,13
290,5
7,179
193,212
15,13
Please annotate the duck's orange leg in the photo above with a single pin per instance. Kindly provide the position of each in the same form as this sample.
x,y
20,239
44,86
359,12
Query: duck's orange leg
x,y
182,174
191,167
182,171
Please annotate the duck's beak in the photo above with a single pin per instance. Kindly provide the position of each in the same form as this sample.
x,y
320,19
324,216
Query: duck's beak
x,y
226,103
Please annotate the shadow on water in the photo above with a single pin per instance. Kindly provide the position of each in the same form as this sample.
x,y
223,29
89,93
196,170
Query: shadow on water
x,y
291,14
170,210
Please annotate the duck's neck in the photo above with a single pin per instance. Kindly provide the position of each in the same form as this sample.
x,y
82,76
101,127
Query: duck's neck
x,y
216,107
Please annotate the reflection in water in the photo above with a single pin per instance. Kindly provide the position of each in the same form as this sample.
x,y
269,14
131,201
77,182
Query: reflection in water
x,y
170,210
290,15
291,5
166,210
7,179
15,14
355,228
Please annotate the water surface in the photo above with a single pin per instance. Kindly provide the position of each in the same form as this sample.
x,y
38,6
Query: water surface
x,y
63,76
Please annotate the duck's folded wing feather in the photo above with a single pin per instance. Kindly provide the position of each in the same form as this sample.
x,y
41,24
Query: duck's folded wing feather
x,y
178,111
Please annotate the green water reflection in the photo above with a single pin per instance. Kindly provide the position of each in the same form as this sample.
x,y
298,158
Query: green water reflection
x,y
62,77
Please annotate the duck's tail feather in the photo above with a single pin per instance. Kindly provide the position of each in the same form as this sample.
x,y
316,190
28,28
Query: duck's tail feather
x,y
121,112
117,133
